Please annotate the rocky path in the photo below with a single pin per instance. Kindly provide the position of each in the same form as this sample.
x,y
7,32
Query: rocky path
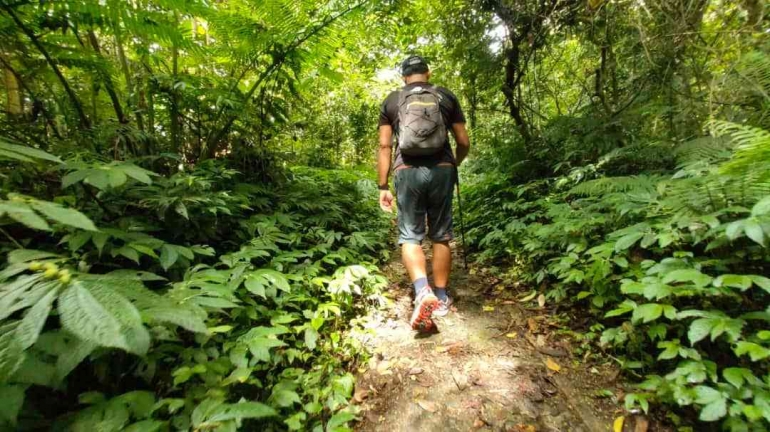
x,y
494,365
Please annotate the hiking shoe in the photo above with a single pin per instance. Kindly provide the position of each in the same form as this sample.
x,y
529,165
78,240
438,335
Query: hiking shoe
x,y
443,307
424,305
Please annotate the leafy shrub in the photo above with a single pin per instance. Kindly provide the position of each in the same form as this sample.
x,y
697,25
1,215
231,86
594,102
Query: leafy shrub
x,y
675,265
184,301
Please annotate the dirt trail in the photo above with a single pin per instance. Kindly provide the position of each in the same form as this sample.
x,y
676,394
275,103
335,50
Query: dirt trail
x,y
482,371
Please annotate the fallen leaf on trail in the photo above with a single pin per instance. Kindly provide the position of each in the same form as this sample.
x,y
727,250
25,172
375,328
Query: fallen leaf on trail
x,y
428,405
532,324
415,371
524,428
479,423
642,424
488,308
541,300
451,348
529,297
461,381
617,425
552,365
508,302
553,352
512,335
360,395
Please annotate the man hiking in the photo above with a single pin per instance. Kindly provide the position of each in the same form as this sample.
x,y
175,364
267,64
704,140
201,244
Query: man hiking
x,y
419,116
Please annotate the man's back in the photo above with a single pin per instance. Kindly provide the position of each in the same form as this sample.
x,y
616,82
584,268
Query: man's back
x,y
450,111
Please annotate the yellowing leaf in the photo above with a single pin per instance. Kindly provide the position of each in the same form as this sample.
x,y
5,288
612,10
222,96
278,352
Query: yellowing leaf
x,y
489,308
617,425
529,297
541,300
512,335
552,365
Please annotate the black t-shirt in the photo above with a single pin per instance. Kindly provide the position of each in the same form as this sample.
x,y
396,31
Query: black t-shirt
x,y
450,110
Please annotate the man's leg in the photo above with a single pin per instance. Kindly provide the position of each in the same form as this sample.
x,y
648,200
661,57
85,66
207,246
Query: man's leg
x,y
410,191
414,260
440,231
442,264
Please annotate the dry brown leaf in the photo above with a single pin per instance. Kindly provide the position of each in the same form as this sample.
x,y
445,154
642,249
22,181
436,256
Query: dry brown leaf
x,y
532,324
360,394
524,428
552,365
428,405
461,381
641,424
617,425
448,347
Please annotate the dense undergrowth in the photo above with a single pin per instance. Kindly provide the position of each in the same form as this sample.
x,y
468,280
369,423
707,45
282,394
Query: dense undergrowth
x,y
672,263
196,300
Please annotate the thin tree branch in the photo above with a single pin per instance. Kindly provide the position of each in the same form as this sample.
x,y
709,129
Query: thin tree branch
x,y
84,122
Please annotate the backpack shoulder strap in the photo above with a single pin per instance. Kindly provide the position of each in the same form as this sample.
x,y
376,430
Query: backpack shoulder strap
x,y
435,92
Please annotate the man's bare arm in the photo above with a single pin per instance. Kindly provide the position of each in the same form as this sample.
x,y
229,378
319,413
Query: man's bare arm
x,y
462,140
383,167
383,154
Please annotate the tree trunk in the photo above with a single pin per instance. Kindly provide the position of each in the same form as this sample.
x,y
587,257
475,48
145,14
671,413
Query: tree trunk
x,y
174,103
13,102
108,84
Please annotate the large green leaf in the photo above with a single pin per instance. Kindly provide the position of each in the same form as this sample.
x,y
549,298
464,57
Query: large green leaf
x,y
24,154
687,275
647,312
63,215
242,410
21,213
168,256
29,329
135,334
627,241
699,329
85,317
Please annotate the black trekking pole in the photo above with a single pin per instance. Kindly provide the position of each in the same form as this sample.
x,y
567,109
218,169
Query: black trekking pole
x,y
462,226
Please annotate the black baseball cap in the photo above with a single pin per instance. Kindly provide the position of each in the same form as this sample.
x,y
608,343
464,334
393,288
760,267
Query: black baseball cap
x,y
414,65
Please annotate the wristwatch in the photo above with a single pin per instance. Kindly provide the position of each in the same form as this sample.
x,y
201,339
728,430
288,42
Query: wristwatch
x,y
383,187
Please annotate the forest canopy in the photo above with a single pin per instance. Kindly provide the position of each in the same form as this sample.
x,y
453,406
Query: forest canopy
x,y
188,209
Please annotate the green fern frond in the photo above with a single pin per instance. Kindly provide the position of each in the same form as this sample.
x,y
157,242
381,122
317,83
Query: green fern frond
x,y
606,185
752,148
707,150
755,68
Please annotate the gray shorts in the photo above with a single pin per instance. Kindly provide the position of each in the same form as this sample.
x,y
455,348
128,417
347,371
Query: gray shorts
x,y
420,192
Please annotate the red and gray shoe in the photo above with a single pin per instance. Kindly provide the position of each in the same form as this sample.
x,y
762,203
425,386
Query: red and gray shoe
x,y
444,306
424,305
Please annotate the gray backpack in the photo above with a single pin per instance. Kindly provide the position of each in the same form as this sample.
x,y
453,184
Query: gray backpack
x,y
421,128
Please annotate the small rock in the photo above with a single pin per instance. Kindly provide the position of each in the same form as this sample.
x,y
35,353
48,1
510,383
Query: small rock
x,y
415,371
